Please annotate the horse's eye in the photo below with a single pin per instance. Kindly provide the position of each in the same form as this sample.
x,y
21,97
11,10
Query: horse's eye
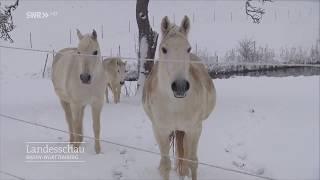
x,y
164,50
189,50
78,52
95,53
118,71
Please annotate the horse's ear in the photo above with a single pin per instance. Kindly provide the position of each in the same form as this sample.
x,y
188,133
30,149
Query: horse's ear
x,y
94,35
165,25
185,25
80,36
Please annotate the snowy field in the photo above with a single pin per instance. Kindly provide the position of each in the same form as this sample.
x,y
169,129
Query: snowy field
x,y
271,125
265,126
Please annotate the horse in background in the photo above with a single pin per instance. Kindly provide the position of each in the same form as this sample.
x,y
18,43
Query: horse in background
x,y
115,70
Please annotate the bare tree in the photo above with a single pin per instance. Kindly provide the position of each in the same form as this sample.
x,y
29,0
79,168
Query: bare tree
x,y
246,50
254,12
6,22
147,41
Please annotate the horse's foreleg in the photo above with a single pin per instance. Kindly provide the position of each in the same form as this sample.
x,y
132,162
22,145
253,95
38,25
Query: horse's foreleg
x,y
68,116
77,114
114,92
107,99
118,92
192,142
96,111
162,137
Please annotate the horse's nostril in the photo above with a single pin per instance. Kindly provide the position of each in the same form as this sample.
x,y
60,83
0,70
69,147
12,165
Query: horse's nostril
x,y
187,85
174,86
85,78
180,85
121,83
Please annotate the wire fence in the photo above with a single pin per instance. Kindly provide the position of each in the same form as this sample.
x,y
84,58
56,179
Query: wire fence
x,y
172,157
168,60
11,175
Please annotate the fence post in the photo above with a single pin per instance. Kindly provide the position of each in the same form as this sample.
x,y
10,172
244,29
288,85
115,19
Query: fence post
x,y
196,49
129,25
45,66
193,17
119,51
102,31
174,18
214,16
30,40
70,36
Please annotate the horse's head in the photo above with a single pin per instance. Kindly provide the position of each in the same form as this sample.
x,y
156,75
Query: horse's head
x,y
89,56
121,71
174,61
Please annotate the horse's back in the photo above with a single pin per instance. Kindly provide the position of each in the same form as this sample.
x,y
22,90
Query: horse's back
x,y
204,84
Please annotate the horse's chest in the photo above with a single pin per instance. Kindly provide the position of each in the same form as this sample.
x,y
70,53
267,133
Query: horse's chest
x,y
176,114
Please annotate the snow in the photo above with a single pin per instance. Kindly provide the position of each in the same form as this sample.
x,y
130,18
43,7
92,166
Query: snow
x,y
266,126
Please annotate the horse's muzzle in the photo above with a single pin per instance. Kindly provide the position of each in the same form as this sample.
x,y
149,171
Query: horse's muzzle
x,y
121,83
85,78
180,88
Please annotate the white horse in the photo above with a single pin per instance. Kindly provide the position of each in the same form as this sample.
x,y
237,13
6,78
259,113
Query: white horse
x,y
78,78
115,71
177,96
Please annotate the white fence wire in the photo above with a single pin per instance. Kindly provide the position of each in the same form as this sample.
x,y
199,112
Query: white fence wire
x,y
171,60
172,157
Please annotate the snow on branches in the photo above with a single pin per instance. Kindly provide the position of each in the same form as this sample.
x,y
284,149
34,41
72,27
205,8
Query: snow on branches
x,y
6,22
255,12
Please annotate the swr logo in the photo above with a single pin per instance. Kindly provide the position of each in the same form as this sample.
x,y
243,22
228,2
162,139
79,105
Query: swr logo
x,y
39,15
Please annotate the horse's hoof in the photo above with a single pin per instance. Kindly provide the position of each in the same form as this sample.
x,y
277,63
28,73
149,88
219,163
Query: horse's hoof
x,y
97,149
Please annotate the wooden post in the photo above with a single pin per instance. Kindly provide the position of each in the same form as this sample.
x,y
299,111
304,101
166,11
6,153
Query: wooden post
x,y
30,40
193,17
129,25
70,36
196,49
102,31
119,51
45,66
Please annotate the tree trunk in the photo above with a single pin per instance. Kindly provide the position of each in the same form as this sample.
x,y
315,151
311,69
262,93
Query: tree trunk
x,y
147,42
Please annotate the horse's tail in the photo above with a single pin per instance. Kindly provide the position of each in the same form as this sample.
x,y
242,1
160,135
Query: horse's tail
x,y
179,136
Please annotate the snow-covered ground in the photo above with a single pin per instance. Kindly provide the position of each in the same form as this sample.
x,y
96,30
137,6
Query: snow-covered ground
x,y
266,126
271,125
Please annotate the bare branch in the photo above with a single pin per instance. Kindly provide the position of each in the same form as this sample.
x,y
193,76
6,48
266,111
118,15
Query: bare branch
x,y
254,12
6,22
